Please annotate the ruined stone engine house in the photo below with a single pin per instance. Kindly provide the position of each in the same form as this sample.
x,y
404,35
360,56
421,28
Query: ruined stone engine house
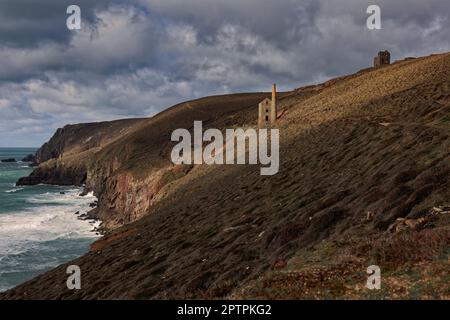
x,y
267,110
383,58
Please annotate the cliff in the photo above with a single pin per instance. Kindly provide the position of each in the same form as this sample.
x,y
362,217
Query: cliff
x,y
77,138
74,143
364,179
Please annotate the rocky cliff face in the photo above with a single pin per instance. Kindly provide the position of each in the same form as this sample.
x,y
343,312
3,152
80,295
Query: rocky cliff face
x,y
58,175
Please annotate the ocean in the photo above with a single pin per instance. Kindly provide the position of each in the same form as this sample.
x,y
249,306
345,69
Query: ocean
x,y
39,229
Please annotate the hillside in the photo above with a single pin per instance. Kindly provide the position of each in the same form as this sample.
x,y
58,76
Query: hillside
x,y
73,139
364,179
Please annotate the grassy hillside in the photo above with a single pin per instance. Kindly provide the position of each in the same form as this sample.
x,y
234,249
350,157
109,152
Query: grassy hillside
x,y
364,179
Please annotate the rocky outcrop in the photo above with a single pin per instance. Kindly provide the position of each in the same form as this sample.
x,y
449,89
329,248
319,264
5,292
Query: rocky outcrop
x,y
402,224
126,198
56,176
29,158
10,160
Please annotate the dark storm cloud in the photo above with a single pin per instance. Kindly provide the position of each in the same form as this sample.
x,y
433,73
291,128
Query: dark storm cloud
x,y
275,21
329,37
137,57
26,23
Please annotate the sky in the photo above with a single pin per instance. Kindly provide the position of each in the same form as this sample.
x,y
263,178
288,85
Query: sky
x,y
136,58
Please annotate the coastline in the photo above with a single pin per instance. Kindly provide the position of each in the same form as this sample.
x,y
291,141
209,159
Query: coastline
x,y
42,226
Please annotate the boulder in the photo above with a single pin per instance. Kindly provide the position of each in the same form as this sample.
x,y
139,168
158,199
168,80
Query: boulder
x,y
29,181
30,158
84,192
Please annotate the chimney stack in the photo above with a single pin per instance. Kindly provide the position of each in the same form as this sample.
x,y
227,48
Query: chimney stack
x,y
273,109
274,93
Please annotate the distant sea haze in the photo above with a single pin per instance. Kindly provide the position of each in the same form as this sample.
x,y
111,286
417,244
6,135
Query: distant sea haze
x,y
39,229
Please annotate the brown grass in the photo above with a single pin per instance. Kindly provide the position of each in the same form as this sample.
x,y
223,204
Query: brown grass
x,y
408,247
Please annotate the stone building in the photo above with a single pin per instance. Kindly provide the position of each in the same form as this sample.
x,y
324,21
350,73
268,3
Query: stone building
x,y
383,58
267,110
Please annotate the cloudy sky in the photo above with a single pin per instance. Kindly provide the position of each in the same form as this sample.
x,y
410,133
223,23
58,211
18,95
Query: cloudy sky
x,y
135,58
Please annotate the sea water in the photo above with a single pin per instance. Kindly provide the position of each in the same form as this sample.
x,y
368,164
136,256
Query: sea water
x,y
39,229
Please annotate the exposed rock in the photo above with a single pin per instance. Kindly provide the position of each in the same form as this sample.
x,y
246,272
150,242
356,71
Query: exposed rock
x,y
440,210
30,158
9,160
55,175
84,192
402,224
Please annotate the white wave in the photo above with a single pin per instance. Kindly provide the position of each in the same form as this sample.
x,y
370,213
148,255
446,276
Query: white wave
x,y
14,190
89,195
56,197
21,231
